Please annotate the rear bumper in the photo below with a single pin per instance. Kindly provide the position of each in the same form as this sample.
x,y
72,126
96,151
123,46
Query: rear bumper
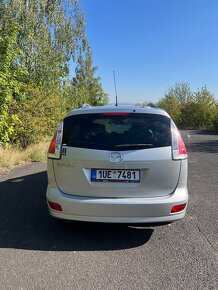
x,y
117,210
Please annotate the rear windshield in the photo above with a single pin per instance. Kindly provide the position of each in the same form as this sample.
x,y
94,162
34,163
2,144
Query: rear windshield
x,y
127,131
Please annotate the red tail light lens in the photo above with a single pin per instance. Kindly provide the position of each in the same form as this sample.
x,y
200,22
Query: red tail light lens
x,y
52,146
178,147
54,151
181,146
54,205
178,208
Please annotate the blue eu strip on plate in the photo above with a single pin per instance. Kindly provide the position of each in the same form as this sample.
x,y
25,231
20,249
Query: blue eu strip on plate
x,y
93,174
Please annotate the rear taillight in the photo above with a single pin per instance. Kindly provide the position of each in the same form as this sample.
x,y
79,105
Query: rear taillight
x,y
178,208
178,147
54,151
54,205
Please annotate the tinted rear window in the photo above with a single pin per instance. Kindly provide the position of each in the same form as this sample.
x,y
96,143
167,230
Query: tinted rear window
x,y
117,132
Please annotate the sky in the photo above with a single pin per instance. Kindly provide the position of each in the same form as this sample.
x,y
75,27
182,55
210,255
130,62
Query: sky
x,y
153,44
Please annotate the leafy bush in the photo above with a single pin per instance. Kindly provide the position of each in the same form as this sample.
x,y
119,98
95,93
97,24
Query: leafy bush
x,y
190,110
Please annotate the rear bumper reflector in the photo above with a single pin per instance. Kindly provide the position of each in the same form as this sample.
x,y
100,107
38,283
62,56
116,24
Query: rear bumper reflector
x,y
54,205
178,208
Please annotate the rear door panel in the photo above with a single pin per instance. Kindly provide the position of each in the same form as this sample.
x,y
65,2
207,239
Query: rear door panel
x,y
159,174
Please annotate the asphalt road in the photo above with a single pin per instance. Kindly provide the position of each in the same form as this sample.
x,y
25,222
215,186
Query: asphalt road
x,y
38,253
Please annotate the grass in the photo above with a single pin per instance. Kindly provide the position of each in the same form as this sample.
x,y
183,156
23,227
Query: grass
x,y
10,157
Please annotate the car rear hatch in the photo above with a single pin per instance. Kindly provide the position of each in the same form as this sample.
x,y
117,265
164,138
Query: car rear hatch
x,y
117,155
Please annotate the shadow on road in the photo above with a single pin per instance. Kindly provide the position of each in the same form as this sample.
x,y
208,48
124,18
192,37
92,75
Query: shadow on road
x,y
204,132
210,146
26,224
201,141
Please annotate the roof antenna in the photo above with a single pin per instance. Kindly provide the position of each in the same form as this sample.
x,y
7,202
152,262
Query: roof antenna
x,y
115,87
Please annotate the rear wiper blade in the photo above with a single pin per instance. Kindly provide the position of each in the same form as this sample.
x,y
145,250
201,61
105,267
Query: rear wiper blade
x,y
135,145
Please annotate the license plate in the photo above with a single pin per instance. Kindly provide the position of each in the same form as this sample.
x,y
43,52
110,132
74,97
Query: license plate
x,y
114,175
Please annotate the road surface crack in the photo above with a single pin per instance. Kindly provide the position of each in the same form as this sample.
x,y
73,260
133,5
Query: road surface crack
x,y
202,233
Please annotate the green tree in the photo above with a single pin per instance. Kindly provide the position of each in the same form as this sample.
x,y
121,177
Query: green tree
x,y
85,87
12,76
216,118
38,117
51,35
174,100
38,41
190,110
204,109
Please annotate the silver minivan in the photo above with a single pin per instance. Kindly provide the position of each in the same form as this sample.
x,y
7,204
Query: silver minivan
x,y
120,164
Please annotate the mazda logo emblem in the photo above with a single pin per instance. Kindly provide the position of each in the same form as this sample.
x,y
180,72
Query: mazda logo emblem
x,y
116,157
